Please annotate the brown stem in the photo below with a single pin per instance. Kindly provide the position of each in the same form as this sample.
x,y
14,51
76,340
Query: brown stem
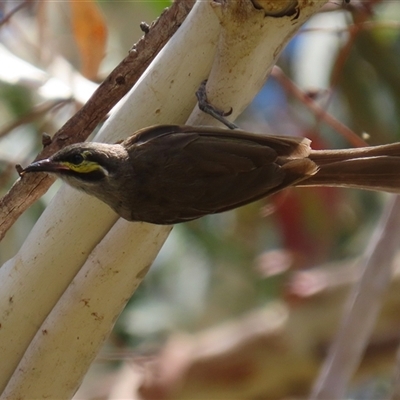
x,y
36,112
318,111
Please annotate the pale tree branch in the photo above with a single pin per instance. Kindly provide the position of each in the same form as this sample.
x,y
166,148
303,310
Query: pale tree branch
x,y
362,308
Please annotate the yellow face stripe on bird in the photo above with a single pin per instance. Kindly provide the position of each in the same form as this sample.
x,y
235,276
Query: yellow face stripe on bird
x,y
80,163
84,167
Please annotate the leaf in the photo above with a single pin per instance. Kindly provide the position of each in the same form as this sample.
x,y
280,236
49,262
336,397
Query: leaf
x,y
90,32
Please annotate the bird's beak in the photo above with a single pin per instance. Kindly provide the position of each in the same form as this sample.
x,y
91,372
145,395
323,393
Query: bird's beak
x,y
46,165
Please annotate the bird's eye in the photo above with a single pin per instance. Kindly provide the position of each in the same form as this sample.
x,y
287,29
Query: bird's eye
x,y
77,159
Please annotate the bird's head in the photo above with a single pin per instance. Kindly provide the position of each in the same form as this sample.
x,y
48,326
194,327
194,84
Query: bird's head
x,y
96,168
82,164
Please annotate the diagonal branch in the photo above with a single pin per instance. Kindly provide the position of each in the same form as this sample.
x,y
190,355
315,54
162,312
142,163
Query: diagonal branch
x,y
362,308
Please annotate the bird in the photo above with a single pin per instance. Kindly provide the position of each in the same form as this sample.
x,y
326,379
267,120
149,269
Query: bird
x,y
168,174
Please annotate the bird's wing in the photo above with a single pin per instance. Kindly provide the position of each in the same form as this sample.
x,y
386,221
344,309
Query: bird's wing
x,y
198,171
285,146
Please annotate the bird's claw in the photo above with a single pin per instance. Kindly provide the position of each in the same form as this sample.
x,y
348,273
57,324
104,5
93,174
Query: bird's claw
x,y
209,109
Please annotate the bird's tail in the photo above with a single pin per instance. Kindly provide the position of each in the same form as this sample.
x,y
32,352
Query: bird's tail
x,y
373,168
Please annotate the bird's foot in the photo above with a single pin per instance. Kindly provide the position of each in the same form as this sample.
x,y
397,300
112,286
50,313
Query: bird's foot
x,y
209,109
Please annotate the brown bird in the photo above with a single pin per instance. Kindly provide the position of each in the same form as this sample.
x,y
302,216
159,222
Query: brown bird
x,y
168,174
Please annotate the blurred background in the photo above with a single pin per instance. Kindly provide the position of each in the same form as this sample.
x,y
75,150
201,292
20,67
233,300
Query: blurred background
x,y
241,305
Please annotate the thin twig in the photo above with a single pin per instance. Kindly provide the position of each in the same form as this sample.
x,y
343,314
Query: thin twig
x,y
8,16
318,111
36,112
364,12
